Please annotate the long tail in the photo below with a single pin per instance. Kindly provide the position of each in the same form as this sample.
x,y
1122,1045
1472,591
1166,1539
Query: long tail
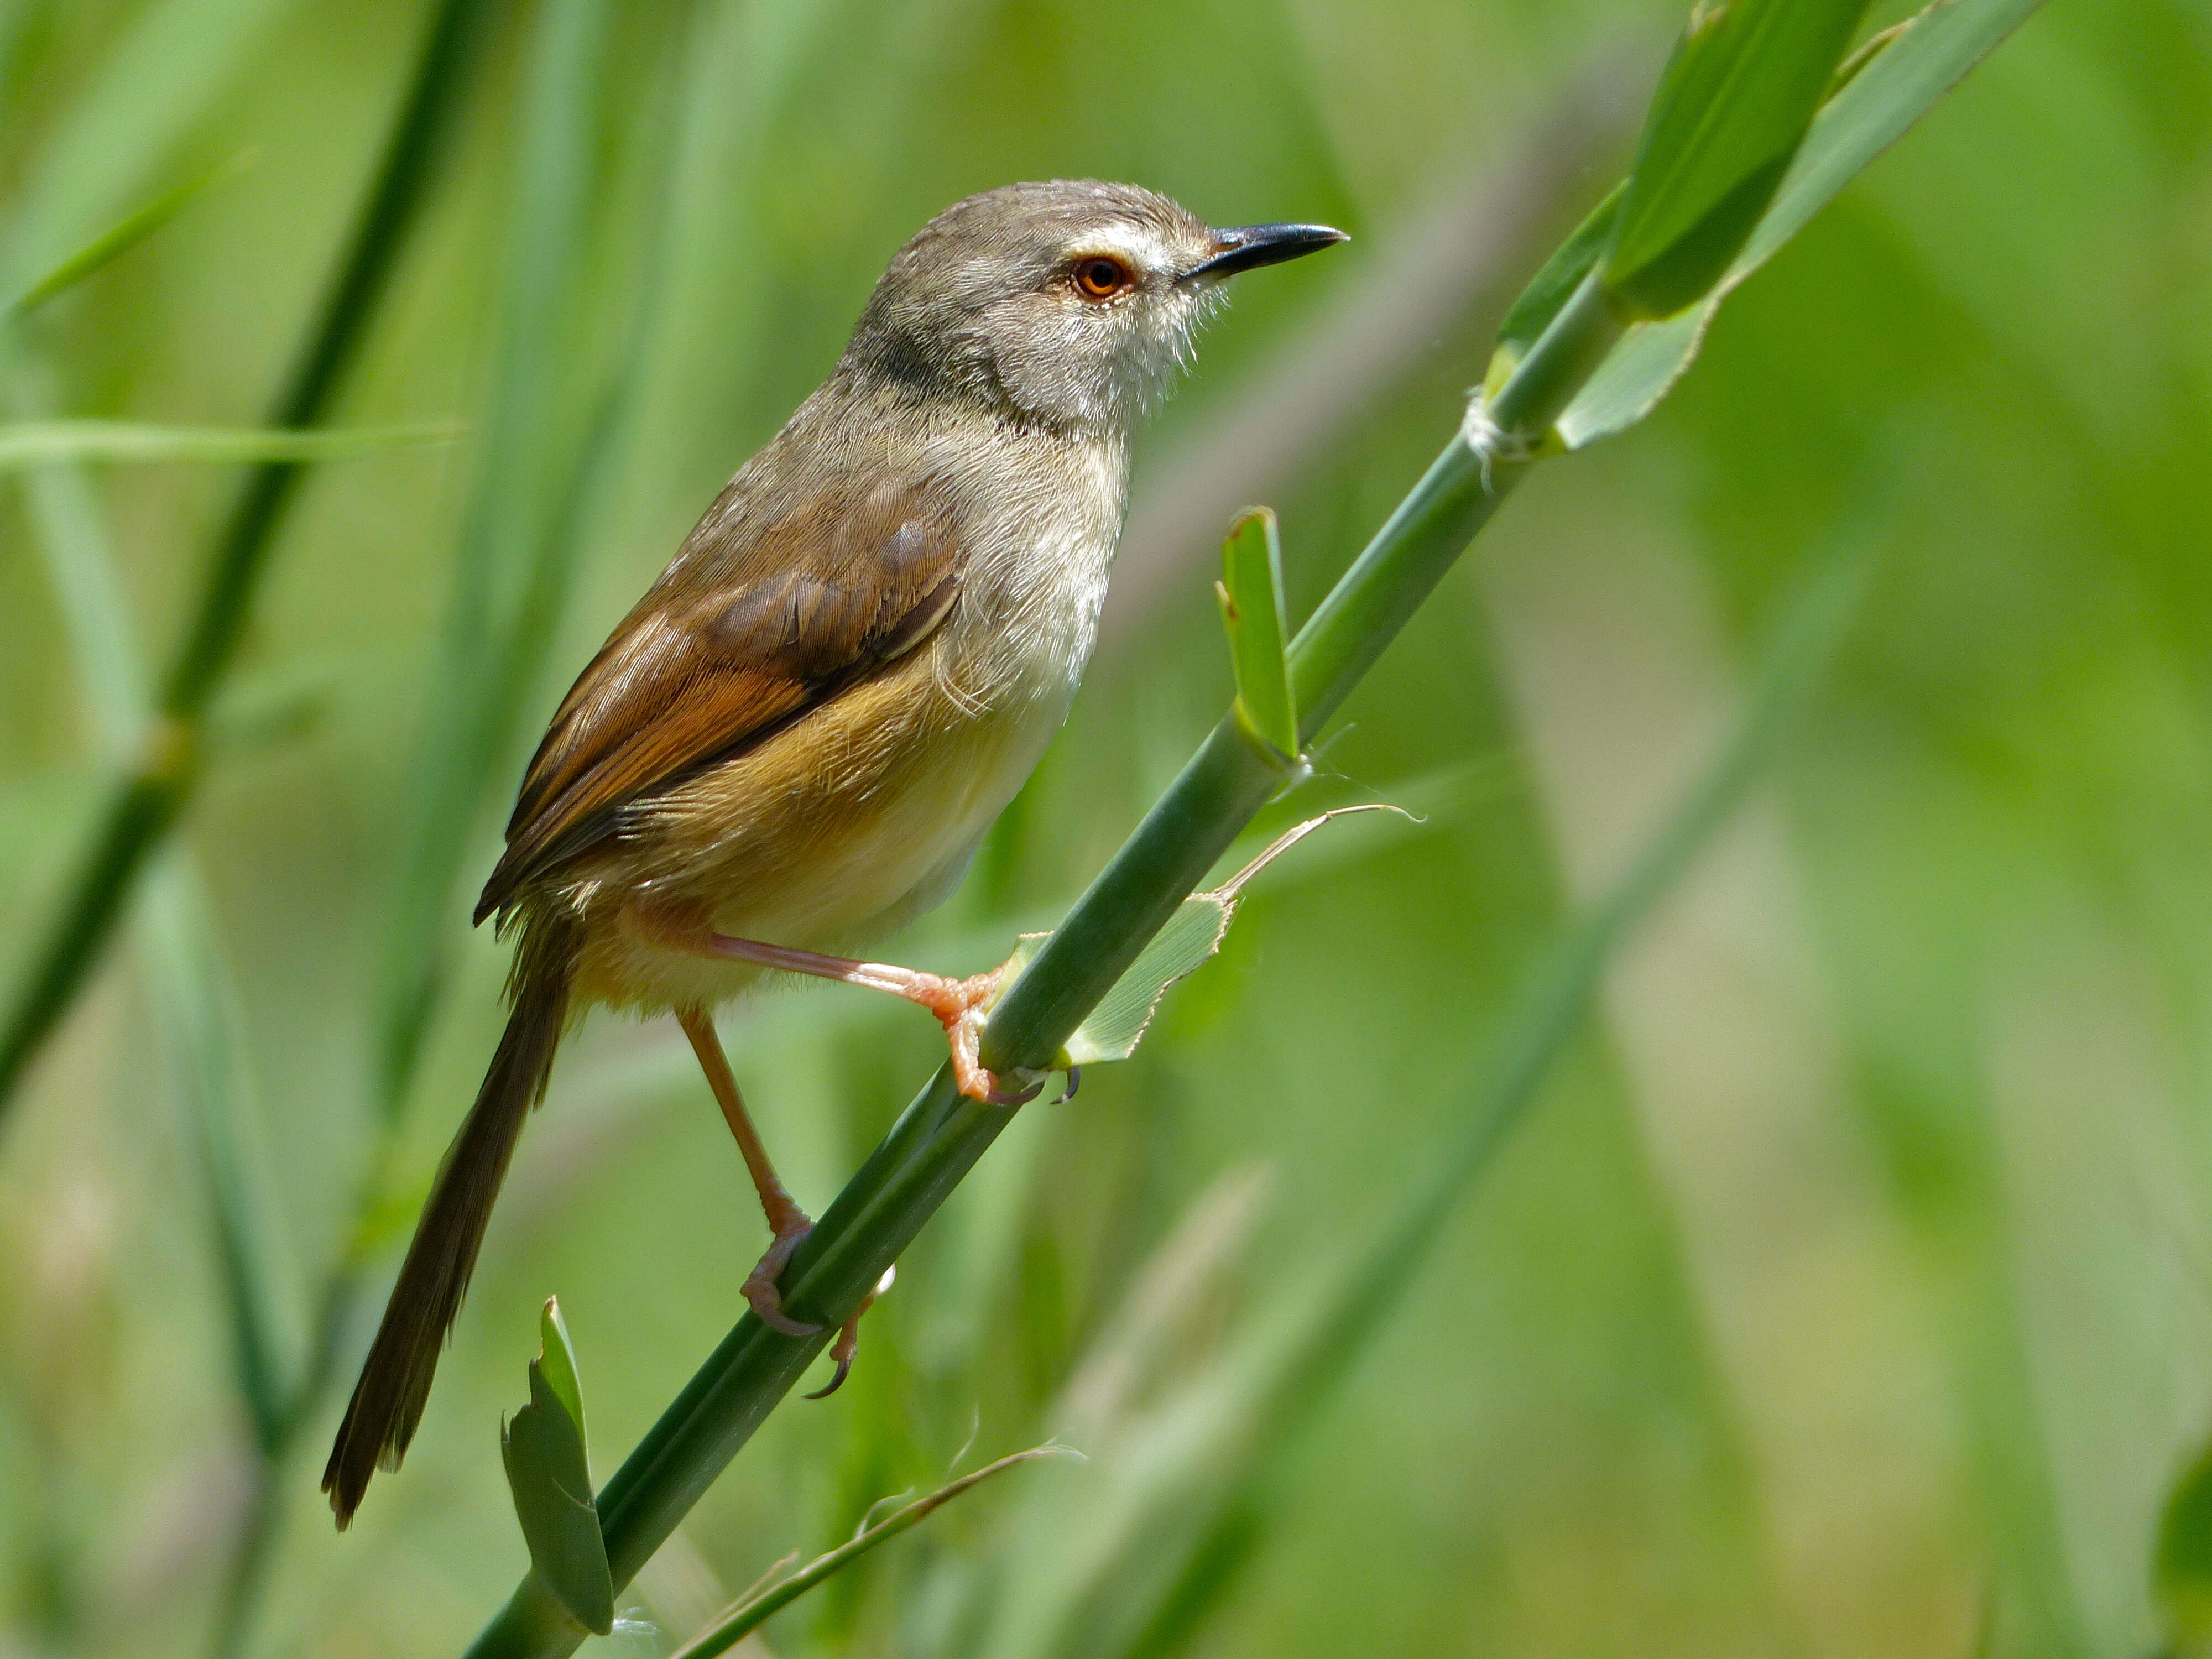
x,y
395,1380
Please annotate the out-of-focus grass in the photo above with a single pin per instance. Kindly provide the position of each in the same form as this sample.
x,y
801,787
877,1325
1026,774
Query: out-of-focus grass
x,y
1992,824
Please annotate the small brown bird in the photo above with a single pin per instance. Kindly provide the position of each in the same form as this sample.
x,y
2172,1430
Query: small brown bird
x,y
796,739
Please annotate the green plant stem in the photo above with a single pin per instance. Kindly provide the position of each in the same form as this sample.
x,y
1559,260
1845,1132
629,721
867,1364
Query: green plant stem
x,y
147,803
1335,1319
735,1623
1229,780
941,1134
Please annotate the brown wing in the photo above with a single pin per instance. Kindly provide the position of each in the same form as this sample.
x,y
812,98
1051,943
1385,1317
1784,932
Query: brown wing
x,y
749,630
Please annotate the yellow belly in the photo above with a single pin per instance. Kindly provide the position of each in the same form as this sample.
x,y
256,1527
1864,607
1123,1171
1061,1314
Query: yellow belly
x,y
829,834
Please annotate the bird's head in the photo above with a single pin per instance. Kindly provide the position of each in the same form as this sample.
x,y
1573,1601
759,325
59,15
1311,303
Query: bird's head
x,y
1071,303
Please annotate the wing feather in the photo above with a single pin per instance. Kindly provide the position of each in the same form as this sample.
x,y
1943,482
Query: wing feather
x,y
749,630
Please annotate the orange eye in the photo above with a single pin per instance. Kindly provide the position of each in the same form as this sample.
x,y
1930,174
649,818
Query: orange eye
x,y
1101,278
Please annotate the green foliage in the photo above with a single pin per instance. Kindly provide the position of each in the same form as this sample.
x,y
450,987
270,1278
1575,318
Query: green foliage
x,y
1906,69
1738,94
118,239
1253,611
539,455
45,443
1144,887
2182,1570
1658,1379
1188,938
736,1622
1112,1030
145,805
1551,287
548,1470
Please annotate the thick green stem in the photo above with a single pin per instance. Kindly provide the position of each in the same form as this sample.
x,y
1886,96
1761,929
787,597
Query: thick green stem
x,y
146,804
939,1138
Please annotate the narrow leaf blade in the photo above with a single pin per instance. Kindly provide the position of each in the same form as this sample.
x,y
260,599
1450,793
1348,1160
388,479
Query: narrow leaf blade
x,y
734,1623
557,1360
1731,110
1252,611
1115,1028
1550,287
48,443
1120,1019
1876,106
119,237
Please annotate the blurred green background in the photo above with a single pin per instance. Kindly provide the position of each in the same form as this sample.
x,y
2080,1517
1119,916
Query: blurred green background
x,y
1849,1290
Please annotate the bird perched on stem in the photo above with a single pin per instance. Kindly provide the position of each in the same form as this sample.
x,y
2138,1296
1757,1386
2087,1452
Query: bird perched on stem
x,y
795,740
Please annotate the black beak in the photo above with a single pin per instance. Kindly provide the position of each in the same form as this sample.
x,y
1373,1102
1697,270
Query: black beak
x,y
1250,246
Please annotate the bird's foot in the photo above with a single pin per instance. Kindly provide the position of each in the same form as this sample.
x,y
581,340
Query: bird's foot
x,y
959,1005
760,1286
848,1338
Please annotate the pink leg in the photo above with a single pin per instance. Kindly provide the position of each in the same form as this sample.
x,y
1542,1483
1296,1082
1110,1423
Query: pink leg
x,y
784,1219
958,1003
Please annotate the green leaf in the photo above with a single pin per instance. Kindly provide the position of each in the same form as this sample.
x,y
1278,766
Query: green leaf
x,y
1636,375
1117,1023
120,238
548,1471
46,443
155,85
1186,1489
1115,1027
749,1612
1731,109
556,1359
1550,289
1254,613
1885,92
2182,1574
134,100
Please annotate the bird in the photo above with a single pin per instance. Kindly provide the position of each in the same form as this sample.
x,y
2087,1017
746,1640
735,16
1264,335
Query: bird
x,y
795,740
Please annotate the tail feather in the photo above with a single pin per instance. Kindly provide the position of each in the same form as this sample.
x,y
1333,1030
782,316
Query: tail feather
x,y
395,1380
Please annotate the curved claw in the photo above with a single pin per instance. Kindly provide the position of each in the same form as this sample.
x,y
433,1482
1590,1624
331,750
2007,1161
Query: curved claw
x,y
1074,1081
848,1337
837,1382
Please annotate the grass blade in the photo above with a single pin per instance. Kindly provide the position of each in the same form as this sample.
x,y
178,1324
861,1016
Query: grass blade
x,y
157,83
1731,110
1877,105
119,237
1185,1500
548,1470
149,800
749,1613
1253,611
196,1008
1553,286
1289,1394
546,451
48,443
